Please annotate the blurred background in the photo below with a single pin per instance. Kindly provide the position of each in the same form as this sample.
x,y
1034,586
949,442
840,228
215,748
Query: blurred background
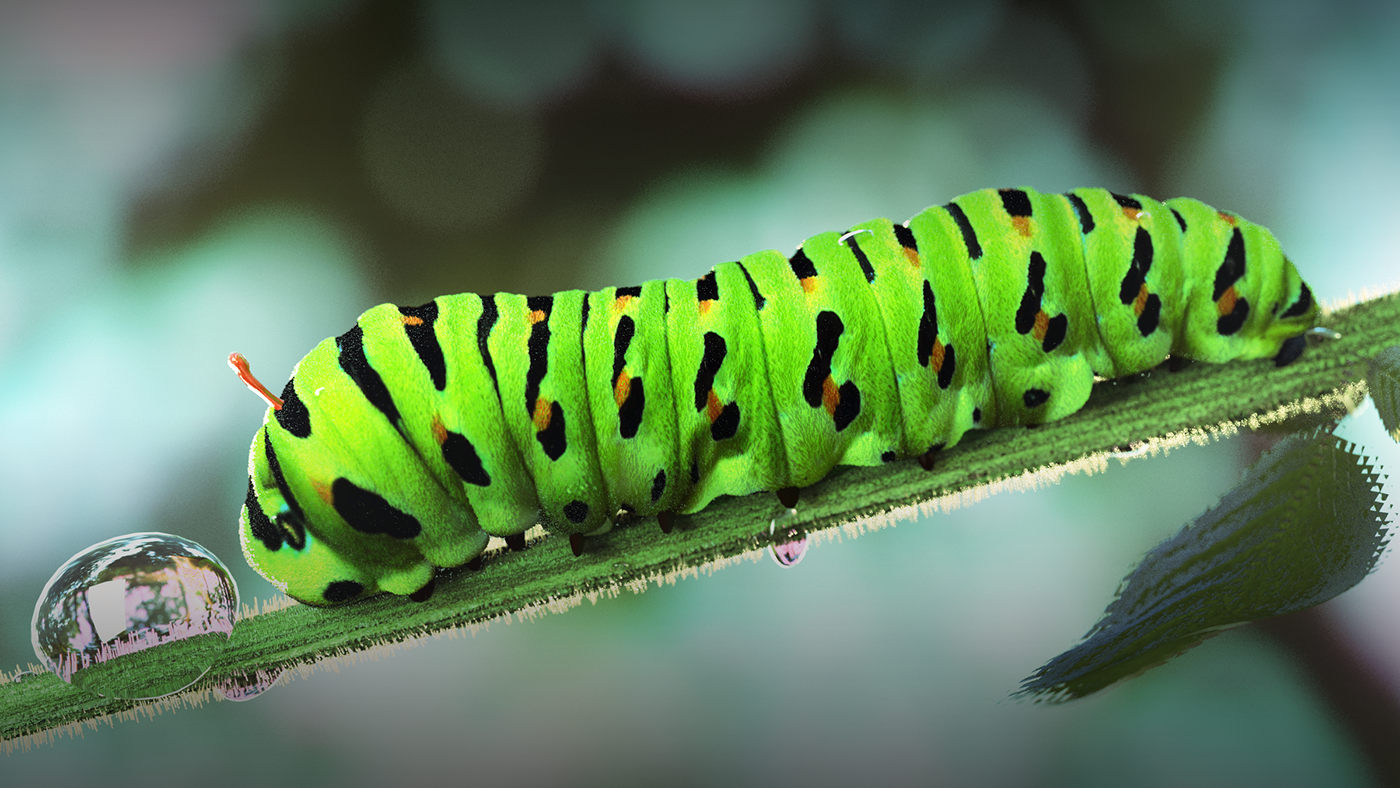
x,y
180,179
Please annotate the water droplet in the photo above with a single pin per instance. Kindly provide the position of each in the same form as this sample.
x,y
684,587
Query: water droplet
x,y
789,553
247,686
103,614
23,676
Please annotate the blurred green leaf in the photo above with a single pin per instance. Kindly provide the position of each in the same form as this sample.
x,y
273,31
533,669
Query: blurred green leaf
x,y
1304,525
1384,381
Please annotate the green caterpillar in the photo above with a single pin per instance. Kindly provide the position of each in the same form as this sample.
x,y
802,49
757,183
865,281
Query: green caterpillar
x,y
402,444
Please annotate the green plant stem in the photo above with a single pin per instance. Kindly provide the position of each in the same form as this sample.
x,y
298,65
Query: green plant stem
x,y
1149,410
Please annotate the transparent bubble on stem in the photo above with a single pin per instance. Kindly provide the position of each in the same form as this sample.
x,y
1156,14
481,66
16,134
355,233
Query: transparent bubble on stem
x,y
138,616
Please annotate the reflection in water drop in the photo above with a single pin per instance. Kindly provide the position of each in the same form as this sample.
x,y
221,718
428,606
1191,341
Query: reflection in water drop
x,y
103,612
788,553
247,686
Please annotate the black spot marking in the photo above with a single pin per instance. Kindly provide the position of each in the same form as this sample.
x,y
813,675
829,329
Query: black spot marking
x,y
905,236
1055,331
889,456
293,415
1151,316
461,456
727,424
1231,269
829,330
864,261
576,511
552,438
1180,220
1015,202
633,405
1135,279
848,406
635,291
758,299
622,339
928,326
1086,219
658,485
484,324
694,472
261,526
715,350
583,318
342,591
707,288
802,267
1290,350
1034,398
423,338
367,511
1030,300
974,249
1136,276
1126,201
1299,308
629,415
976,414
945,372
291,523
353,362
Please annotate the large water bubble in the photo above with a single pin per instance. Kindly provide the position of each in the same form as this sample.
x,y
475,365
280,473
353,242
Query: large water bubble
x,y
138,616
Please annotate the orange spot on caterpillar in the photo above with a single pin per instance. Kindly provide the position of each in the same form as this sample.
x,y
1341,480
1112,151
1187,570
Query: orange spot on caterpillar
x,y
1023,225
245,374
912,257
1228,218
1140,303
536,316
411,320
1042,324
622,388
713,407
621,303
1226,304
1133,214
543,409
705,307
809,285
439,430
936,357
323,490
831,396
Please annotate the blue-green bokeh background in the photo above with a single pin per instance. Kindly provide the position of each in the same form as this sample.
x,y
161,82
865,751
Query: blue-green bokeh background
x,y
179,180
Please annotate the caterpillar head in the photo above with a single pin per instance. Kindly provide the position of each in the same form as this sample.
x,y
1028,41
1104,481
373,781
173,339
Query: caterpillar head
x,y
1245,298
327,521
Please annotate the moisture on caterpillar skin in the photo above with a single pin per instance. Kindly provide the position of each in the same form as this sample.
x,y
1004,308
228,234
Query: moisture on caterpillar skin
x,y
403,444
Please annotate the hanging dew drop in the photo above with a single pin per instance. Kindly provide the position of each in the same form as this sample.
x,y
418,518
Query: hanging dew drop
x,y
139,616
248,685
786,553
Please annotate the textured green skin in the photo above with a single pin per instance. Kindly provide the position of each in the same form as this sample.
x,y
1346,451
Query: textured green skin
x,y
781,440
